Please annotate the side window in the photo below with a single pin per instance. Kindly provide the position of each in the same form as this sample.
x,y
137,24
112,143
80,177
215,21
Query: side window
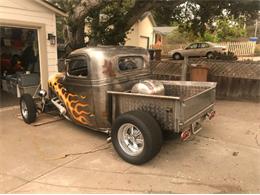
x,y
130,63
192,46
77,67
204,45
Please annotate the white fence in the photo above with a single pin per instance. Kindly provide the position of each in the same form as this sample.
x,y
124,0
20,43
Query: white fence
x,y
238,48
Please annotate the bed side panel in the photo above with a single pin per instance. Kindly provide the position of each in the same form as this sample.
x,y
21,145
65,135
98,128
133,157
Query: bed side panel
x,y
162,110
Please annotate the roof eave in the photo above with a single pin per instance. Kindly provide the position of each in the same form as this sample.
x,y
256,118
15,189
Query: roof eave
x,y
150,17
52,7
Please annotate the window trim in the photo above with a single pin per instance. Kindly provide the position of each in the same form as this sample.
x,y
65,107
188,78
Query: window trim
x,y
77,58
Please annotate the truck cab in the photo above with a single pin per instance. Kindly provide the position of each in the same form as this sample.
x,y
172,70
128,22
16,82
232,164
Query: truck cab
x,y
90,73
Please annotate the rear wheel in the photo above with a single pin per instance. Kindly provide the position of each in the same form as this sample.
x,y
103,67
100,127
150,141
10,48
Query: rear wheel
x,y
210,55
28,108
136,137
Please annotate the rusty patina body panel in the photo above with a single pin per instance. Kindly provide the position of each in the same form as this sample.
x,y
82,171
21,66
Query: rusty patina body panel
x,y
86,99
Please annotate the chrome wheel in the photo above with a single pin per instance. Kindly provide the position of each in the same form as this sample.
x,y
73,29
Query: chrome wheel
x,y
130,139
28,108
177,56
210,55
24,109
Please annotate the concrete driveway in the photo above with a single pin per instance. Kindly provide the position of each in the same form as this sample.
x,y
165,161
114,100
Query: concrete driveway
x,y
62,158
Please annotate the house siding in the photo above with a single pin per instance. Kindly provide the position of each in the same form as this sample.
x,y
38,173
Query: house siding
x,y
141,29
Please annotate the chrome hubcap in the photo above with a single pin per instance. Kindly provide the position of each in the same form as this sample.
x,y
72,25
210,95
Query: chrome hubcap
x,y
210,56
131,139
24,110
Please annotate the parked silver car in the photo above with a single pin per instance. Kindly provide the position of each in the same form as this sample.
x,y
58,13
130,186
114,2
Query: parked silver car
x,y
203,49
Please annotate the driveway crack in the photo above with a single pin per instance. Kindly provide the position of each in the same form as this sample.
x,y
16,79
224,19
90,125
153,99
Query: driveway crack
x,y
83,153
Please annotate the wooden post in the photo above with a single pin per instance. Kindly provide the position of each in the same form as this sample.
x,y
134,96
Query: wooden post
x,y
184,68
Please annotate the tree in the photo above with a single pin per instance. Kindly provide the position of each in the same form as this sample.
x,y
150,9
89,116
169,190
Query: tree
x,y
119,17
197,16
229,30
73,25
109,21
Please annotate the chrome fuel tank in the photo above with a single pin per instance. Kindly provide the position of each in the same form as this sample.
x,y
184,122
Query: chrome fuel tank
x,y
149,87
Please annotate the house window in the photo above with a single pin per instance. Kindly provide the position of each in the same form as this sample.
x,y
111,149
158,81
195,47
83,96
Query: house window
x,y
78,68
130,63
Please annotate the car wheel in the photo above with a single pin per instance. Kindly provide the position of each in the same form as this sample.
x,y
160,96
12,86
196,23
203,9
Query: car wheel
x,y
210,55
177,56
136,136
28,108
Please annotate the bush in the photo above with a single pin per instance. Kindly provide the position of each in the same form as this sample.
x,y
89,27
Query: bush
x,y
224,56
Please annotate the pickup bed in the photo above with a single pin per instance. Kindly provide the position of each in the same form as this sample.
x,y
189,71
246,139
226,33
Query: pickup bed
x,y
184,104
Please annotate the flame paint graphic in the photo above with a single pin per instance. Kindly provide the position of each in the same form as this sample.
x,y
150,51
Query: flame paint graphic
x,y
74,105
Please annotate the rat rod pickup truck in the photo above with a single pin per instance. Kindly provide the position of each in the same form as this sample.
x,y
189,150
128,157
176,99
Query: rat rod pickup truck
x,y
109,89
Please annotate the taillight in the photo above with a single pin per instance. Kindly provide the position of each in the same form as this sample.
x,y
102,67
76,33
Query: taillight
x,y
185,135
211,114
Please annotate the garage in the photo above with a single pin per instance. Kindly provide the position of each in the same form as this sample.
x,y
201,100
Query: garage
x,y
20,68
28,50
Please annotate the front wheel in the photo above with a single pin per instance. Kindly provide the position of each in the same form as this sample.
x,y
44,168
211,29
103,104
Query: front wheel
x,y
28,108
136,136
177,56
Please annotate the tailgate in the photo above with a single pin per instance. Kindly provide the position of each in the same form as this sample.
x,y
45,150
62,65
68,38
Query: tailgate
x,y
194,107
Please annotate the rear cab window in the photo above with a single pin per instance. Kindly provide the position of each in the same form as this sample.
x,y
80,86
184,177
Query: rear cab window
x,y
130,63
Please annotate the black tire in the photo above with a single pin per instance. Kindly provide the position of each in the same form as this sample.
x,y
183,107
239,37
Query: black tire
x,y
27,100
210,55
151,132
177,56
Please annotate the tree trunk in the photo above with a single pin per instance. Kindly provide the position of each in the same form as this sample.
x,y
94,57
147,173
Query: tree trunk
x,y
74,37
77,36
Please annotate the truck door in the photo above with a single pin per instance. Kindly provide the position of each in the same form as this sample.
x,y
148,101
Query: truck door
x,y
77,82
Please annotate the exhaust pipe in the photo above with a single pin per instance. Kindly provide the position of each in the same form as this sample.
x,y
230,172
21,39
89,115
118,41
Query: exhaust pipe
x,y
56,102
61,109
